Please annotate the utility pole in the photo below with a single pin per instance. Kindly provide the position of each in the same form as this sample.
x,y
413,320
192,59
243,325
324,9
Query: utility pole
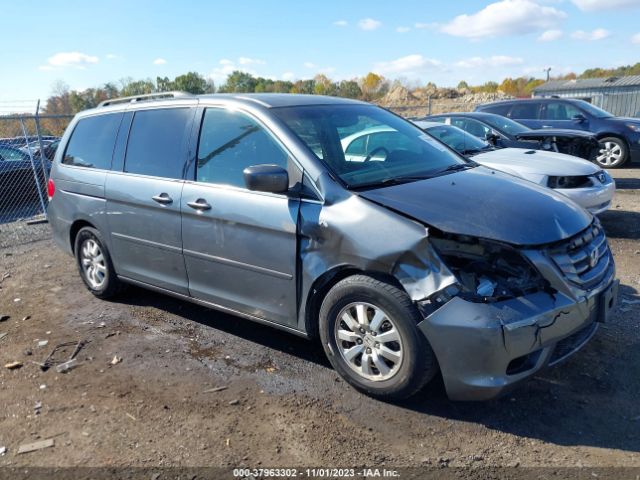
x,y
547,70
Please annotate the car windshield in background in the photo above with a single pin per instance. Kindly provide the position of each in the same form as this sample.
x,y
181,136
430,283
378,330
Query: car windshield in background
x,y
366,146
593,110
505,124
458,139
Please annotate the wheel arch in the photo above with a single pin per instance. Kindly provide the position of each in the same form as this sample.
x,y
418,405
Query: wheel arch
x,y
76,226
325,282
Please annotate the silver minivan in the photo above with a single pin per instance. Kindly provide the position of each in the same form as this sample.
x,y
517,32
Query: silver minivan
x,y
403,258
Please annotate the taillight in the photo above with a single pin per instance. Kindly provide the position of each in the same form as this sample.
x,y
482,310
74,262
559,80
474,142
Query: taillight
x,y
51,188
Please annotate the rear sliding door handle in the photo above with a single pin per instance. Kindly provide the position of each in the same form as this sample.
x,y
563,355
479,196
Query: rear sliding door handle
x,y
162,198
199,204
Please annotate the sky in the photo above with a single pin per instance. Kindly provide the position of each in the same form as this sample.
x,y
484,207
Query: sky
x,y
85,44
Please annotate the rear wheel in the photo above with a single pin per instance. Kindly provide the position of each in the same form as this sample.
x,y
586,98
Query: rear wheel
x,y
369,332
94,264
613,153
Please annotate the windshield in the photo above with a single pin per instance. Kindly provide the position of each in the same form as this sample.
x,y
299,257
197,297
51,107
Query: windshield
x,y
593,110
367,146
504,124
458,139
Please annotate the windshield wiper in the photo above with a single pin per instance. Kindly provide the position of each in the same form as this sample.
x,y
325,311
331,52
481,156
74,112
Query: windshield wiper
x,y
385,182
457,167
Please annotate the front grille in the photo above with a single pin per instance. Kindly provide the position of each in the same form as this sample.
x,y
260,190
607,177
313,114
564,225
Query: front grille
x,y
584,258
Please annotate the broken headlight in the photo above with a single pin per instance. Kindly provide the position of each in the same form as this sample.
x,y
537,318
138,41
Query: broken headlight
x,y
488,271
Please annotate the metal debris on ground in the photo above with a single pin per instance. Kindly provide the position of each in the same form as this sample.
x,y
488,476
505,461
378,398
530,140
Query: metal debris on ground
x,y
26,318
3,334
4,318
43,343
3,450
50,361
37,407
115,360
215,389
234,402
131,416
13,365
66,366
39,445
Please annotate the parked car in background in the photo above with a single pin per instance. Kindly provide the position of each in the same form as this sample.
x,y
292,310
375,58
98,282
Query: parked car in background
x,y
582,181
504,132
405,262
619,136
17,177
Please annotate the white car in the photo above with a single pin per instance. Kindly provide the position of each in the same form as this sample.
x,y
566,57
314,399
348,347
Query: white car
x,y
582,181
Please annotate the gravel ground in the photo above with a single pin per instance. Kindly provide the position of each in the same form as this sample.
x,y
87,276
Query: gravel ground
x,y
283,405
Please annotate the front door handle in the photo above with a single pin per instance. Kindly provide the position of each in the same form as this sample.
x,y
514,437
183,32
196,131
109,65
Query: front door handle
x,y
162,198
199,204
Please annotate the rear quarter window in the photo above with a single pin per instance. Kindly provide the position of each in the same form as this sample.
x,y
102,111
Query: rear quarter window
x,y
92,141
525,111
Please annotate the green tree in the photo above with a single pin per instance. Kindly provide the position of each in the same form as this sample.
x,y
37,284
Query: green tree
x,y
324,86
372,86
349,89
193,82
239,82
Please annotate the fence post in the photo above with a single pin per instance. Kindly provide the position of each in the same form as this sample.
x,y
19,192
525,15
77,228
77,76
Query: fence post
x,y
429,105
37,122
33,168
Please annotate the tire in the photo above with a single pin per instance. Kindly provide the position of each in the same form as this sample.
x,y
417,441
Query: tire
x,y
92,255
382,306
613,153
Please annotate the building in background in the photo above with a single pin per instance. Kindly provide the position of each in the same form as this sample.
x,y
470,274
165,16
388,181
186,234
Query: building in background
x,y
618,95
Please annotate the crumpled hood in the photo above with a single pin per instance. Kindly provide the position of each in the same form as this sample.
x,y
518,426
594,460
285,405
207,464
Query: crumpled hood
x,y
537,162
556,132
485,203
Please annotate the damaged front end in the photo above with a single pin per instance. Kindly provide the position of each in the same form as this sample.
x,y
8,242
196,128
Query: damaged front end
x,y
512,312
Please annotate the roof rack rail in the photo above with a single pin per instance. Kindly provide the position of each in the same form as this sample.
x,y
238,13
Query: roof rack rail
x,y
144,98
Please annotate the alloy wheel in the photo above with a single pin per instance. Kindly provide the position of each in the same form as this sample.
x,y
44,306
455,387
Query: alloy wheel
x,y
368,341
93,263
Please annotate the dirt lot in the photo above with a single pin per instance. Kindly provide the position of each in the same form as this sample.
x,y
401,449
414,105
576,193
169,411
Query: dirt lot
x,y
284,405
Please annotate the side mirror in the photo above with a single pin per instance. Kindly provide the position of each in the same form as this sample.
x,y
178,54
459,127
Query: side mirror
x,y
266,178
579,118
492,138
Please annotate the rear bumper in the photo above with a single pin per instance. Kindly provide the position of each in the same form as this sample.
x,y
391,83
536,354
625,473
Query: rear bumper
x,y
485,349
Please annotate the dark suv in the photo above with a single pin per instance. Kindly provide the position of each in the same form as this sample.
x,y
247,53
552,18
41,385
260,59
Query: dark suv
x,y
619,137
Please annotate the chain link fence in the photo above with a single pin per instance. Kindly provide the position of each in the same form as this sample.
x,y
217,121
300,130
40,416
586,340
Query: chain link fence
x,y
28,144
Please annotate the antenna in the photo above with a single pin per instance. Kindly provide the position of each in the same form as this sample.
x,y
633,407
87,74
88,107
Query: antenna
x,y
547,70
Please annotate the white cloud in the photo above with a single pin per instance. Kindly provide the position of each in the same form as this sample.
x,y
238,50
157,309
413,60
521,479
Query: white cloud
x,y
550,35
597,34
250,61
506,17
596,5
310,65
112,56
341,23
288,76
402,29
69,59
407,65
636,39
369,24
494,61
226,61
159,61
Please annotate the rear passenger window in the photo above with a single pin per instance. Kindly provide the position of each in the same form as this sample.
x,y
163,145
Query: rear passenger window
x,y
561,111
92,141
525,111
502,109
156,144
229,143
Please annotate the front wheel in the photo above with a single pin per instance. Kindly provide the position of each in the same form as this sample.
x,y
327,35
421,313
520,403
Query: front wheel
x,y
613,153
369,332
